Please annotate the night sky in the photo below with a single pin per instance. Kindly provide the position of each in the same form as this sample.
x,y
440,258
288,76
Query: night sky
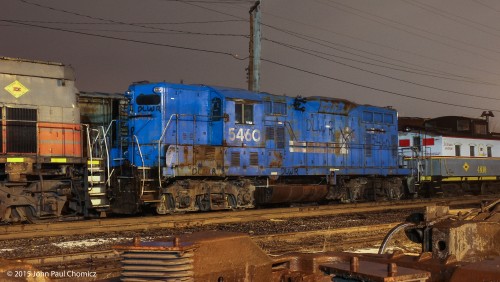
x,y
424,58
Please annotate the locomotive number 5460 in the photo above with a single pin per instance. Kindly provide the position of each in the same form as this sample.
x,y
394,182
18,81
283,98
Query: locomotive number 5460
x,y
244,134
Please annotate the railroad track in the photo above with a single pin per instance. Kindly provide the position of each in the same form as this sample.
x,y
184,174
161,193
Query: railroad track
x,y
23,231
106,263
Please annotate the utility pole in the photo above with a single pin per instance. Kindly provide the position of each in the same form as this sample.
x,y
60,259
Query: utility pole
x,y
254,58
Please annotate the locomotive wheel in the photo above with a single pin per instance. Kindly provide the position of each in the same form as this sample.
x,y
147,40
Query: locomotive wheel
x,y
394,193
20,214
29,213
167,204
203,202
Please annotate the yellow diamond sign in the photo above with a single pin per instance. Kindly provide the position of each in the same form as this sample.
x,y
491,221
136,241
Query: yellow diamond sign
x,y
466,166
16,89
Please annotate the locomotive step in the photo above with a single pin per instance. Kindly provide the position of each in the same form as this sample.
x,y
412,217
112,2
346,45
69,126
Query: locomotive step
x,y
95,169
150,191
148,179
97,194
151,201
100,206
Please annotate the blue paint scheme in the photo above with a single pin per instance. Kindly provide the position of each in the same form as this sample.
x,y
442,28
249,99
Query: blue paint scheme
x,y
283,135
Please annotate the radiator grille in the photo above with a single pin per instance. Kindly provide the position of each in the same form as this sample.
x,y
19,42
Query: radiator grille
x,y
270,133
280,137
254,158
368,146
235,158
21,130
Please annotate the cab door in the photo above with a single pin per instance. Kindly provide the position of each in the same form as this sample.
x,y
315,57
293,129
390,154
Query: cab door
x,y
216,120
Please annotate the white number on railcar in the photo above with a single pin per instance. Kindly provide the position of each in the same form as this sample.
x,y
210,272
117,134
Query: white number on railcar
x,y
244,134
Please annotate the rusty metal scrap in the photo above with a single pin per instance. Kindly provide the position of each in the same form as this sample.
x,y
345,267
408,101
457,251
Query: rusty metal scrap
x,y
463,247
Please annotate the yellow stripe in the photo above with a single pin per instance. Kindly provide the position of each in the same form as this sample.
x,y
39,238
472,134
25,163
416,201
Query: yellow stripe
x,y
464,178
456,178
58,160
15,160
488,178
93,162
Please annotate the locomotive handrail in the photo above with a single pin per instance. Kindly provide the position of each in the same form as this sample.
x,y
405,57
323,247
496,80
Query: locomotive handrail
x,y
105,133
164,131
290,130
143,181
91,155
107,151
159,144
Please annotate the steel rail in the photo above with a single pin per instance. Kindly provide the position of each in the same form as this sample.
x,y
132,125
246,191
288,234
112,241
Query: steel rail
x,y
199,219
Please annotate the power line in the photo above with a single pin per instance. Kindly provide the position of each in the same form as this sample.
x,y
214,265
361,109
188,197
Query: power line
x,y
111,23
452,17
129,40
370,87
302,49
147,32
216,11
381,45
208,9
232,55
417,71
391,77
396,25
487,6
120,22
212,1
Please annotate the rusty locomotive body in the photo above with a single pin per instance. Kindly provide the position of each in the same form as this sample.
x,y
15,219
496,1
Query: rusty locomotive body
x,y
197,147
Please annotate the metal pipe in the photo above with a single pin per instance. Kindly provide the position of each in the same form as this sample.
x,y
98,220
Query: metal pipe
x,y
391,233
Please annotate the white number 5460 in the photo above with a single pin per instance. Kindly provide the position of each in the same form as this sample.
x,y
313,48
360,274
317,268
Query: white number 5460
x,y
244,134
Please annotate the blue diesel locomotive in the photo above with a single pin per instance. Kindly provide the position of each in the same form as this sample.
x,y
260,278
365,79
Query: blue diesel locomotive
x,y
198,147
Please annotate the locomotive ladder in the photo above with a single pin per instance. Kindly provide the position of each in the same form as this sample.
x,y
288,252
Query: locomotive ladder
x,y
97,184
96,166
149,193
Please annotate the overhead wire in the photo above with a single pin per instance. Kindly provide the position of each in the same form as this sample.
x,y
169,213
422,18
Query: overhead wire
x,y
124,23
111,23
293,33
129,40
452,17
234,56
388,76
398,26
373,88
408,69
302,49
283,65
381,45
487,6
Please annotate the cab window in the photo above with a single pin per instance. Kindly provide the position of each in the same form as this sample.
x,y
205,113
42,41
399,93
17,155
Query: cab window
x,y
243,113
146,100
